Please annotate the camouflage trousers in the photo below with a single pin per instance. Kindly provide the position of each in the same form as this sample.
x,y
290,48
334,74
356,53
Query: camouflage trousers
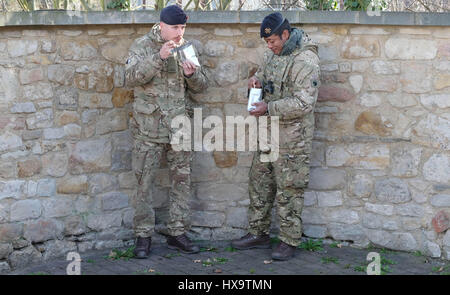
x,y
283,182
146,162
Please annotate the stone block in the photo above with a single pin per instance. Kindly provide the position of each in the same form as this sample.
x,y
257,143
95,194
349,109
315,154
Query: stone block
x,y
25,209
393,190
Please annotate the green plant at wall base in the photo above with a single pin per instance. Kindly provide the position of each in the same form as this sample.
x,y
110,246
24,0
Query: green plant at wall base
x,y
311,245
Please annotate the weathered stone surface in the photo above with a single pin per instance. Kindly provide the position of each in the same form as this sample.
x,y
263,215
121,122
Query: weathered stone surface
x,y
361,185
10,141
95,100
225,159
5,250
121,97
409,209
73,185
7,169
406,48
59,207
313,216
441,200
393,190
360,47
66,98
12,188
74,225
104,221
90,156
29,167
432,249
61,74
4,267
356,81
26,107
436,168
441,81
221,192
48,46
37,91
54,133
100,183
381,83
327,179
441,221
329,199
114,120
370,123
415,77
441,101
55,164
346,232
435,130
227,73
116,51
207,219
381,67
405,161
402,100
101,77
43,230
25,209
446,240
57,248
46,188
9,85
216,48
315,231
80,50
380,209
237,217
18,48
343,216
114,200
334,93
25,257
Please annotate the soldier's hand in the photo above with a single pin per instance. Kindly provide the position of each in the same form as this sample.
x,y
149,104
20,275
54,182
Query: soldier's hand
x,y
166,49
260,109
253,82
189,68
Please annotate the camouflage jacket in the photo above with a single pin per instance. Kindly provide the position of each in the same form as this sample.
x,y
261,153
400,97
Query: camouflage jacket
x,y
296,79
160,87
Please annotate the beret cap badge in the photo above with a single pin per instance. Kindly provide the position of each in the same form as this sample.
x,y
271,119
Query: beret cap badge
x,y
267,30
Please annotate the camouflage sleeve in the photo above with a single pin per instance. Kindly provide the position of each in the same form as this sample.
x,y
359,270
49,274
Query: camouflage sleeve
x,y
305,79
198,81
142,65
260,73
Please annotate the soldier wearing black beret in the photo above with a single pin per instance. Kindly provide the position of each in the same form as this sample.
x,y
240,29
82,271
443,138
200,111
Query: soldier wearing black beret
x,y
161,81
289,76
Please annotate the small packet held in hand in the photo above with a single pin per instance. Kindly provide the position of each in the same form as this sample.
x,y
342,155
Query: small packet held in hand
x,y
187,52
255,95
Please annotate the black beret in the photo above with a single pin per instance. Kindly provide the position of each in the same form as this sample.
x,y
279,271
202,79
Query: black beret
x,y
173,15
271,24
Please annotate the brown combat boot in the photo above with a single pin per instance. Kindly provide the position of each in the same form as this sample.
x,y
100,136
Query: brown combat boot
x,y
142,249
182,243
250,241
283,251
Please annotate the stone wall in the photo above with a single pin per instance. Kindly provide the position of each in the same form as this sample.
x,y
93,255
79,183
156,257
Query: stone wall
x,y
381,162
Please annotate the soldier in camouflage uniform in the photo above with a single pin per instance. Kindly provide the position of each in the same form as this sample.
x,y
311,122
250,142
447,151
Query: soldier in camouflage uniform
x,y
160,83
289,77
